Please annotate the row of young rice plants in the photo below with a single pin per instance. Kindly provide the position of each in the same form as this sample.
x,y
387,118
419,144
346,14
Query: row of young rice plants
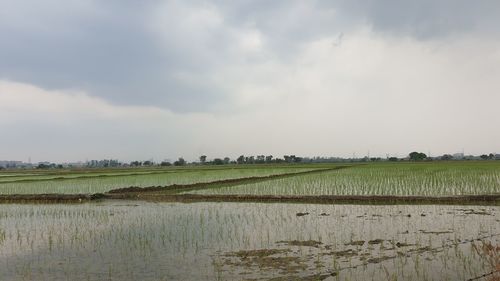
x,y
49,174
90,185
222,241
74,175
427,179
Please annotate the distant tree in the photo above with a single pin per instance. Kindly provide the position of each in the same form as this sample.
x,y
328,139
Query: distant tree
x,y
203,159
227,160
180,162
269,159
484,157
241,159
147,163
42,166
446,157
287,158
417,156
60,166
393,159
261,159
250,160
165,164
2,168
136,163
218,161
491,156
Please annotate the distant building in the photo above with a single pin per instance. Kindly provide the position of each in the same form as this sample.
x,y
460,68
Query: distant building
x,y
10,164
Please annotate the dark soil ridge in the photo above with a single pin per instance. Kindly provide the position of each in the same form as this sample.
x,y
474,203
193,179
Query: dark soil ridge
x,y
218,183
90,176
126,192
50,198
492,199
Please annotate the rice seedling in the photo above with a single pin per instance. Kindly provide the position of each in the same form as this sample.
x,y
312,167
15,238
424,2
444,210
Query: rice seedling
x,y
174,241
102,182
426,179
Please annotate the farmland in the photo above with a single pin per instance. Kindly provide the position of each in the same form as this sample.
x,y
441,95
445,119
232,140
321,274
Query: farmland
x,y
438,179
130,240
142,230
97,182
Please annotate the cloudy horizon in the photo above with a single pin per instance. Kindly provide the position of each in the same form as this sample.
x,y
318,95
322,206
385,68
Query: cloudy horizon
x,y
159,79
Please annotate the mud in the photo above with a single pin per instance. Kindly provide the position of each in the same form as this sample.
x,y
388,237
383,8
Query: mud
x,y
50,198
219,183
308,243
320,199
141,194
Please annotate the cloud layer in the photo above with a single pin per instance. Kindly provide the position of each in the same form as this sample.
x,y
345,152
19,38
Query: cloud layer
x,y
165,79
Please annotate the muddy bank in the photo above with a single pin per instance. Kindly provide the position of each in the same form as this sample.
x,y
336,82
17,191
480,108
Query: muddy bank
x,y
228,182
188,198
322,199
49,198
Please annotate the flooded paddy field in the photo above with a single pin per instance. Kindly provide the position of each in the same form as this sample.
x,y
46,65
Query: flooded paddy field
x,y
89,182
409,179
135,240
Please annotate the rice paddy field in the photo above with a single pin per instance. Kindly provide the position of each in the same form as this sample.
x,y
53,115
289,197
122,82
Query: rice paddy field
x,y
247,241
435,179
124,239
85,182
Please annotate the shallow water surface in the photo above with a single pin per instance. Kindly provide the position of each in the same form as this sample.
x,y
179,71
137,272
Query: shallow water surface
x,y
117,240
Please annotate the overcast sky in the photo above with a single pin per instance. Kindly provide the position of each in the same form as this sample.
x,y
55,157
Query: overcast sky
x,y
162,79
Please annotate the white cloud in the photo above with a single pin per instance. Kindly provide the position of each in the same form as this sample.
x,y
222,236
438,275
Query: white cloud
x,y
370,91
71,125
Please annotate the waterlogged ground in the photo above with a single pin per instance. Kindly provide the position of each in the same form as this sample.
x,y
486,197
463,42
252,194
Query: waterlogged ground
x,y
121,240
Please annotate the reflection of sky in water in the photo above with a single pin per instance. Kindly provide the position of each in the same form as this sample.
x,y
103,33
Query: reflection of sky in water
x,y
149,241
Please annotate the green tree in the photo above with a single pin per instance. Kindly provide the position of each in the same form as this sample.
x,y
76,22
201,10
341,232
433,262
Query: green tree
x,y
269,159
446,157
417,156
180,162
203,159
241,159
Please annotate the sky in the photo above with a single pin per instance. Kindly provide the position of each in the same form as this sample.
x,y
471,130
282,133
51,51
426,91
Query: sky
x,y
137,80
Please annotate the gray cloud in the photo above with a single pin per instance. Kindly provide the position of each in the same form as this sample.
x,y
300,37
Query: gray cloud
x,y
426,19
150,53
184,78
